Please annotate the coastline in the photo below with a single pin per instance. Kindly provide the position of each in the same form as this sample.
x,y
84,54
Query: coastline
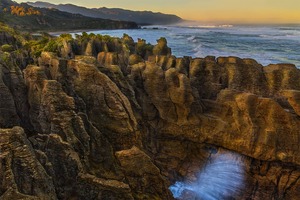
x,y
276,44
56,33
108,103
89,103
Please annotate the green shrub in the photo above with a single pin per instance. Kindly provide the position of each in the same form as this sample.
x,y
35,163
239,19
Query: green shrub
x,y
51,46
67,36
7,48
5,57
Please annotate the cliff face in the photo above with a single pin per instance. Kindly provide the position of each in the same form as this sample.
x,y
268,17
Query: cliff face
x,y
114,119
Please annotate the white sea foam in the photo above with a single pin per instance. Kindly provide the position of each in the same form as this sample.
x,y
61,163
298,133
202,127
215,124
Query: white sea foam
x,y
211,26
221,178
191,38
203,26
198,48
255,42
226,25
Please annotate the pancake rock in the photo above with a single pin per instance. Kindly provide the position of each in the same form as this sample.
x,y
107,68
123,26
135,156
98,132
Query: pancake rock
x,y
108,118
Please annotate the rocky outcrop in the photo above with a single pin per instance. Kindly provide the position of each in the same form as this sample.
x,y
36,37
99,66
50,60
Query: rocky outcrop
x,y
6,38
14,103
22,175
125,120
143,176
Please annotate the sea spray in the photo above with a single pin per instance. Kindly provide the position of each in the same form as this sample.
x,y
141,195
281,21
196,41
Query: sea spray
x,y
220,178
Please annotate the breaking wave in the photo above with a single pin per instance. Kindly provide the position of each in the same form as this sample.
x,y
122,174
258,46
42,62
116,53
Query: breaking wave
x,y
257,42
221,178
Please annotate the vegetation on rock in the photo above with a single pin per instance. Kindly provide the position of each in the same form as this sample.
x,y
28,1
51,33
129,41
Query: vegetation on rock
x,y
7,48
21,11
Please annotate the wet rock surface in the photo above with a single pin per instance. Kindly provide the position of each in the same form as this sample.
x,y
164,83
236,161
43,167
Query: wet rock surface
x,y
114,119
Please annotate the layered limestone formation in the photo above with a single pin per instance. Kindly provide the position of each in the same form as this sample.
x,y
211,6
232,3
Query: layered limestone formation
x,y
115,119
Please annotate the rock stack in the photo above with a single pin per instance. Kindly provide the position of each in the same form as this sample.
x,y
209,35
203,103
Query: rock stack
x,y
115,119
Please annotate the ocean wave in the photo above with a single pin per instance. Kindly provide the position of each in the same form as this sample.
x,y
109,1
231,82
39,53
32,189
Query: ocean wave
x,y
226,26
265,44
281,37
212,26
191,38
221,178
203,26
198,48
264,36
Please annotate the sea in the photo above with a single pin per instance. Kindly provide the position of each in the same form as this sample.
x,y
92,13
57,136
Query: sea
x,y
269,44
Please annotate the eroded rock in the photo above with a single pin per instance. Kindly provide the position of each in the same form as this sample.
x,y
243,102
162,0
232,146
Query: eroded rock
x,y
107,118
21,174
143,176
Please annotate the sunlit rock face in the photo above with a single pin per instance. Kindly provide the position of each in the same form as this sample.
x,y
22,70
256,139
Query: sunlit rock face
x,y
107,118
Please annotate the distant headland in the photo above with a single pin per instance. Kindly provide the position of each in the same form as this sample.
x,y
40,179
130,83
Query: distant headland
x,y
139,17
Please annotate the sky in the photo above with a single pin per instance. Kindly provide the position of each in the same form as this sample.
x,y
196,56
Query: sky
x,y
218,11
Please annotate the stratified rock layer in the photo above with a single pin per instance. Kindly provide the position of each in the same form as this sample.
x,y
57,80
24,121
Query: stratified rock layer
x,y
124,120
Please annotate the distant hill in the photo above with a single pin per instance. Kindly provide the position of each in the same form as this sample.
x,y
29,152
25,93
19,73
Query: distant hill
x,y
26,17
139,17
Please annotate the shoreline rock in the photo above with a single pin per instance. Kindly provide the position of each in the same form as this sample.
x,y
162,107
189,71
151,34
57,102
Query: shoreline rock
x,y
109,118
